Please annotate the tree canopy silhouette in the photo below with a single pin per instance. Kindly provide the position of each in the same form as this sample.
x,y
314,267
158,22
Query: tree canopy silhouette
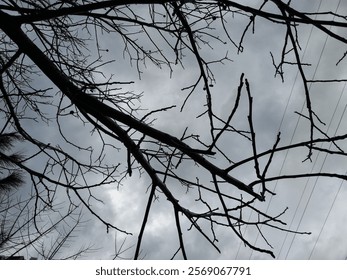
x,y
54,80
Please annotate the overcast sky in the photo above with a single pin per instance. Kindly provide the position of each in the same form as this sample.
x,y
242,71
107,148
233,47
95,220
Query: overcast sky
x,y
309,201
315,205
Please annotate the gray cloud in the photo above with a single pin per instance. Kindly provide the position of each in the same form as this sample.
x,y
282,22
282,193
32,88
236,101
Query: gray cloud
x,y
273,100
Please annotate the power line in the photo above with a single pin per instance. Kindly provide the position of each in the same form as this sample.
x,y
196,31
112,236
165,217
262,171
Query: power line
x,y
335,197
306,184
314,187
283,117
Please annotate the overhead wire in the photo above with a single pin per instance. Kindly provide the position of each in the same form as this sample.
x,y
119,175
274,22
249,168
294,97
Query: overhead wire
x,y
316,180
311,193
293,135
283,117
336,194
308,179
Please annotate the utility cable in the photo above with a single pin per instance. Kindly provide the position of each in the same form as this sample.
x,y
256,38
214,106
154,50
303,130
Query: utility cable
x,y
283,117
312,191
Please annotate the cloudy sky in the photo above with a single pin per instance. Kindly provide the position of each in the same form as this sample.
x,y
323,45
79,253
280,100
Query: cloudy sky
x,y
314,205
